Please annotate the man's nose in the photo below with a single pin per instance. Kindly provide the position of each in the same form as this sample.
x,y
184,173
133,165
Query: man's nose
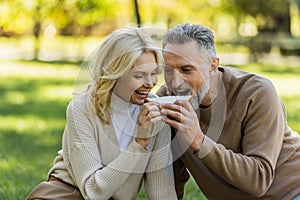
x,y
177,79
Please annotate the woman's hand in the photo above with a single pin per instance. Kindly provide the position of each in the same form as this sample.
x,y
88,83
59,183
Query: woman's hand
x,y
149,115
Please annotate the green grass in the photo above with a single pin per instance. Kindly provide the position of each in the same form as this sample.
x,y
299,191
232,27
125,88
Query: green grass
x,y
34,96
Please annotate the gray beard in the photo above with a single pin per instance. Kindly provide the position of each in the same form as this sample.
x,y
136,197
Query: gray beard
x,y
199,95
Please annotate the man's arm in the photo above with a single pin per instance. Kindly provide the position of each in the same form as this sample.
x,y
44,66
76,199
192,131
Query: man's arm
x,y
181,176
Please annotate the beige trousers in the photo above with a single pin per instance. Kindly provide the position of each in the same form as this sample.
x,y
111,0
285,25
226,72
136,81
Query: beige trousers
x,y
54,190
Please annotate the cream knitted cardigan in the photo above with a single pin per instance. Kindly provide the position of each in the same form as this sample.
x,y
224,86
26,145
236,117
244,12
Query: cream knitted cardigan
x,y
91,159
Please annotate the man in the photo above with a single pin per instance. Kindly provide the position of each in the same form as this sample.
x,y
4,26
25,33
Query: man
x,y
233,137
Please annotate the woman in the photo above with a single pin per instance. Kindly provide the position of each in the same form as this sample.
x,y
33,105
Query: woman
x,y
114,140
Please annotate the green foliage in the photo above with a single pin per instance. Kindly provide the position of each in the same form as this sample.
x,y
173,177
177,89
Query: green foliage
x,y
14,20
34,96
77,17
20,17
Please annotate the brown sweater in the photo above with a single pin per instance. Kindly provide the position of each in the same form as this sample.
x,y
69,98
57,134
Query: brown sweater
x,y
249,151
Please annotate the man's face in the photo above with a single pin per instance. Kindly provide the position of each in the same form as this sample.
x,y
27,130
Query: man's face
x,y
186,73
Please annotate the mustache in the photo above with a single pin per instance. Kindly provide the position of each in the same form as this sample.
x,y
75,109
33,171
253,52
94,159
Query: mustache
x,y
182,90
186,89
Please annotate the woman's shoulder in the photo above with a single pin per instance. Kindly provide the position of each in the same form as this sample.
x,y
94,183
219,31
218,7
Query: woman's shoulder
x,y
79,103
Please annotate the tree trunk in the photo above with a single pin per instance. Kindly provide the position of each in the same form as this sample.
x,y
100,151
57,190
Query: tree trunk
x,y
137,13
36,33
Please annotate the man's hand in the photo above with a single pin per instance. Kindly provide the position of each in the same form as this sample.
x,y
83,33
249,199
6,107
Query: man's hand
x,y
182,117
149,115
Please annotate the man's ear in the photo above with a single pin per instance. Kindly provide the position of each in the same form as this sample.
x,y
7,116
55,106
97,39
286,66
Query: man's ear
x,y
214,64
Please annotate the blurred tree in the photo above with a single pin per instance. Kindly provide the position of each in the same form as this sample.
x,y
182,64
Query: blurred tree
x,y
40,9
69,17
271,15
14,19
81,16
272,19
239,20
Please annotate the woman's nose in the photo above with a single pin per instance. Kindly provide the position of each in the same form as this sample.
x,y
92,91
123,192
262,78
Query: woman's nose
x,y
150,82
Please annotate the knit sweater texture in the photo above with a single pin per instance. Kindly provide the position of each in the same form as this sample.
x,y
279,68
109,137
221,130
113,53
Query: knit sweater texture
x,y
91,159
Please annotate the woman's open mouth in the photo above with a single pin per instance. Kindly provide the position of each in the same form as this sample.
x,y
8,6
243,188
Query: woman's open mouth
x,y
141,93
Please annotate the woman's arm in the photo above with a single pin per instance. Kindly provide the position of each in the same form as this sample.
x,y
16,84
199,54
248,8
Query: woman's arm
x,y
95,180
159,179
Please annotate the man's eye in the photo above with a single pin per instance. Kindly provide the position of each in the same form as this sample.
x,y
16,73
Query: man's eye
x,y
186,70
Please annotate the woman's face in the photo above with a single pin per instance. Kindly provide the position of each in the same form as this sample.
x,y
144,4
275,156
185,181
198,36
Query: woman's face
x,y
135,85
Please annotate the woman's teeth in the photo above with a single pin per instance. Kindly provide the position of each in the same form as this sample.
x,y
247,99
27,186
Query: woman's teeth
x,y
141,92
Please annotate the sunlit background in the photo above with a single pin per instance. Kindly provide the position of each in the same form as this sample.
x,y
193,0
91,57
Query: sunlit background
x,y
69,29
43,42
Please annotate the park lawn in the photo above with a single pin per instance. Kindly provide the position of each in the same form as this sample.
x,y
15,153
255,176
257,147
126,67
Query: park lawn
x,y
34,96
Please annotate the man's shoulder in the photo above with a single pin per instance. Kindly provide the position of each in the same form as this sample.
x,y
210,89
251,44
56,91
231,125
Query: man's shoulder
x,y
238,77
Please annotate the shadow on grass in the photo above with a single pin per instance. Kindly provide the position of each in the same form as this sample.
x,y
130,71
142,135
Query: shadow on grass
x,y
43,109
26,85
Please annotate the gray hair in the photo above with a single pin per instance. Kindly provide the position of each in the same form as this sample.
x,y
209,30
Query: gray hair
x,y
188,32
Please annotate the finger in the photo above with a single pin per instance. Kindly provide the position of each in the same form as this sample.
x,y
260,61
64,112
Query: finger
x,y
150,117
144,111
175,124
154,113
148,108
179,109
156,119
146,100
154,108
186,104
150,103
173,114
173,107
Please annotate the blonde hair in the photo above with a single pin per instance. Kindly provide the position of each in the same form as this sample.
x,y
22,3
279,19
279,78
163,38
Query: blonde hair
x,y
116,56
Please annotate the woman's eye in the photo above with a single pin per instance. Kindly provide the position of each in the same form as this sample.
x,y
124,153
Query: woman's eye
x,y
137,76
154,73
